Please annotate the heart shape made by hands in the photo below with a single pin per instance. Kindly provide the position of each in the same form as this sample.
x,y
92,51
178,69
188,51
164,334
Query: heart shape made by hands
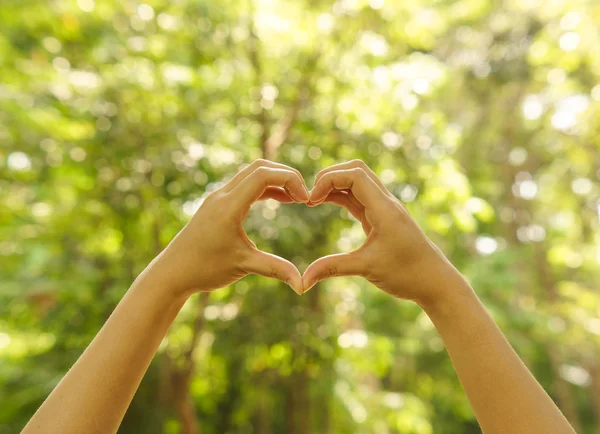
x,y
265,233
327,266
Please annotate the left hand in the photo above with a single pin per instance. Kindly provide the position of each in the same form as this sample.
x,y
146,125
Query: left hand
x,y
213,251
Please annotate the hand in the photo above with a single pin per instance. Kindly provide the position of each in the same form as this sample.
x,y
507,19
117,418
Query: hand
x,y
397,256
213,251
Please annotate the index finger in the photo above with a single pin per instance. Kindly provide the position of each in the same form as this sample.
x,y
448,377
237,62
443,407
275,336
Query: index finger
x,y
351,165
242,174
362,186
250,189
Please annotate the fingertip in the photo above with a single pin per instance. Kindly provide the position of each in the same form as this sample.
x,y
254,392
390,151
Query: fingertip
x,y
314,196
300,194
311,200
296,284
307,286
294,279
305,194
308,281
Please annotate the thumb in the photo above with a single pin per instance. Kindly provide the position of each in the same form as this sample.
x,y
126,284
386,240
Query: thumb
x,y
269,265
341,264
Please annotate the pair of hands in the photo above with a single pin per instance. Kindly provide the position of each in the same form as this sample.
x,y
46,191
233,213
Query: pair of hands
x,y
213,251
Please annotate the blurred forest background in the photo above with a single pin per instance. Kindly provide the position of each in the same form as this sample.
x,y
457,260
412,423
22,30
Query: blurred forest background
x,y
117,117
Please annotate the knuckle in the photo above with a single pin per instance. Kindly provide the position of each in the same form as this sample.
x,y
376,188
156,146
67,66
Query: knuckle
x,y
320,174
332,271
359,172
274,273
297,179
261,171
358,163
212,197
327,177
259,162
296,171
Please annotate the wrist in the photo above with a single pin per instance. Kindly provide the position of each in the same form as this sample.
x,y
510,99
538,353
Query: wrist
x,y
157,286
451,293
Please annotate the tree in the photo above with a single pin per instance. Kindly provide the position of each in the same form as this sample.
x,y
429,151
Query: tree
x,y
116,118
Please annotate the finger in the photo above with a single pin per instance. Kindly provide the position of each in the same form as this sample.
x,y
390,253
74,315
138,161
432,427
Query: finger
x,y
352,165
341,264
362,186
255,184
252,167
277,193
269,265
345,200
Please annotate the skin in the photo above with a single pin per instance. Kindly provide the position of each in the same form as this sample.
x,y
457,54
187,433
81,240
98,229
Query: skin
x,y
399,259
212,251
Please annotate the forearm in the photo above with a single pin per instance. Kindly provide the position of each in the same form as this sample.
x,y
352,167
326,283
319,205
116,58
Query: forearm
x,y
505,396
96,392
212,251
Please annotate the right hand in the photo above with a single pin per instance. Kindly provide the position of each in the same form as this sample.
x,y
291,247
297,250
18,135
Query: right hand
x,y
397,256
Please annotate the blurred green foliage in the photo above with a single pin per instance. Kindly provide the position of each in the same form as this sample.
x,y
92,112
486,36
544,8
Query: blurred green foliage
x,y
117,117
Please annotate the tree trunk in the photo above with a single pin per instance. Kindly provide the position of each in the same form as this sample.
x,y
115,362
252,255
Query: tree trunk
x,y
298,405
543,274
263,410
563,389
186,412
594,371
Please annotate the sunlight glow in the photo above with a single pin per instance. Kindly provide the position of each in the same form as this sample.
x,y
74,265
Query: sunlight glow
x,y
593,325
145,12
4,340
85,79
570,21
567,110
51,44
517,156
190,207
581,186
175,74
325,23
393,400
196,150
18,161
408,193
532,107
353,338
486,245
569,41
374,43
527,189
86,5
575,375
392,140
